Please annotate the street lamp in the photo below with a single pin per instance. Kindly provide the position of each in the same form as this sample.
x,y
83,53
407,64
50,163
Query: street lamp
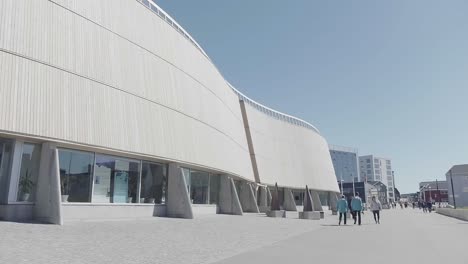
x,y
453,192
430,194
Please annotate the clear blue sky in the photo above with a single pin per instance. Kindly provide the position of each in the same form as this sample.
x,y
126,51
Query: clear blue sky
x,y
387,77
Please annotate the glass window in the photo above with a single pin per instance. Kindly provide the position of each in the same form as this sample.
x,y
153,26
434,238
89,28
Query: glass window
x,y
76,173
30,159
154,8
199,187
146,3
153,183
6,151
115,180
186,173
214,189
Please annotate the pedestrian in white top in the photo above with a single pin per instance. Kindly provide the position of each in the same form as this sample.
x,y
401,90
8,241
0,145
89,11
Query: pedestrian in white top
x,y
375,207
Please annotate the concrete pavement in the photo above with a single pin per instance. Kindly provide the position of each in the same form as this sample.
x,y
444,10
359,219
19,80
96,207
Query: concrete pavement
x,y
404,236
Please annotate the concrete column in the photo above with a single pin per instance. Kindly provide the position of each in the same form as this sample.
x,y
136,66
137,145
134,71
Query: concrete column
x,y
316,201
262,200
247,199
228,199
178,199
48,208
289,203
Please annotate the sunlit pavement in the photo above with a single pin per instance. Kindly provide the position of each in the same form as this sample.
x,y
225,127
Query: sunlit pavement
x,y
404,236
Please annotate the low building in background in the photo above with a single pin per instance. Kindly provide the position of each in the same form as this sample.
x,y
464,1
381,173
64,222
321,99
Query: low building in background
x,y
433,191
457,179
345,163
410,197
365,189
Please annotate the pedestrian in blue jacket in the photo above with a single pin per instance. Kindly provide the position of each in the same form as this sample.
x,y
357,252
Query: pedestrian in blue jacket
x,y
342,208
356,206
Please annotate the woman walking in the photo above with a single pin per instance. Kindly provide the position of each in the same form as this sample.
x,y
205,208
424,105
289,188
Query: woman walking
x,y
376,207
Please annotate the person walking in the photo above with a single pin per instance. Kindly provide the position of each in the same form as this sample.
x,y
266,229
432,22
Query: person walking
x,y
356,206
376,207
342,208
429,206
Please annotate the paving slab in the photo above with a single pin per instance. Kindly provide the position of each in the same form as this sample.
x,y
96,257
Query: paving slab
x,y
404,236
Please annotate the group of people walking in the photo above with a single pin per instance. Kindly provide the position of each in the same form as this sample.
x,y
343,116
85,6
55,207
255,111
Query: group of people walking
x,y
355,207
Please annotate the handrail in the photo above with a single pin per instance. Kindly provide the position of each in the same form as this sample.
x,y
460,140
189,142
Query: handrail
x,y
268,111
273,113
168,19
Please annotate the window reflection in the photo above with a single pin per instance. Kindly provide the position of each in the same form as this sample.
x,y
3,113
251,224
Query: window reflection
x,y
214,189
6,149
76,171
199,182
153,183
115,180
28,173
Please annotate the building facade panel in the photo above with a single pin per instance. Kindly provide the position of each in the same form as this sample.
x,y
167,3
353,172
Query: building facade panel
x,y
108,101
288,154
68,60
345,163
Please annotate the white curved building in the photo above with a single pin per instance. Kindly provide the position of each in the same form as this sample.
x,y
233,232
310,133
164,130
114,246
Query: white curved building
x,y
105,105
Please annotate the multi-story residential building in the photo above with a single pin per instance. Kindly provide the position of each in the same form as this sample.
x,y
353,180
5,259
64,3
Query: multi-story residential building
x,y
345,162
373,168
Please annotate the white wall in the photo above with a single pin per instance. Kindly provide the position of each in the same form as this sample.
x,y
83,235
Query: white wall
x,y
290,155
112,74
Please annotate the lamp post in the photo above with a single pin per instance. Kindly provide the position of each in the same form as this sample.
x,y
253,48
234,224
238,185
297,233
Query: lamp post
x,y
341,182
430,194
453,192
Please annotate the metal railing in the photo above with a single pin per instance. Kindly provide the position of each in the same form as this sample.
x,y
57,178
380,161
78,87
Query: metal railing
x,y
169,20
266,110
273,113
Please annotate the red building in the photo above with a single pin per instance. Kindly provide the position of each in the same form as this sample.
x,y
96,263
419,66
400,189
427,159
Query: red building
x,y
434,191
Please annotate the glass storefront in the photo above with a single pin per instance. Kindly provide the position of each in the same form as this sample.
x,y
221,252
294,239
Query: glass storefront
x,y
214,189
6,153
76,173
115,180
199,187
153,183
29,171
203,187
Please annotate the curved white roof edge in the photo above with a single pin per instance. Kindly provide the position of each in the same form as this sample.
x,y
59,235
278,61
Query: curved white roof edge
x,y
151,2
241,95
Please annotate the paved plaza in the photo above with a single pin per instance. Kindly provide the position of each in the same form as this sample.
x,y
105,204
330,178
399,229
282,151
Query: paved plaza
x,y
404,236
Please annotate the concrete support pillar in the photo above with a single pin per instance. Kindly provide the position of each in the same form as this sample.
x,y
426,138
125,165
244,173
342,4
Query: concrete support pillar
x,y
308,210
289,204
228,198
178,199
247,198
48,208
317,203
262,199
